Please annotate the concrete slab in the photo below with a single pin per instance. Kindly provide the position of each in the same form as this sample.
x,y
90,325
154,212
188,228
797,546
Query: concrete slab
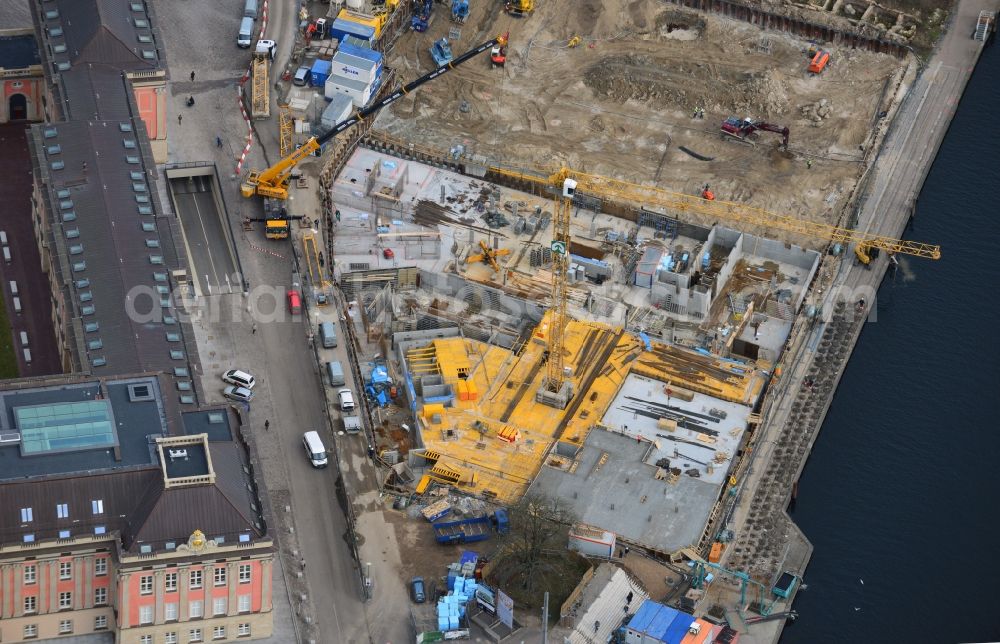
x,y
610,485
709,430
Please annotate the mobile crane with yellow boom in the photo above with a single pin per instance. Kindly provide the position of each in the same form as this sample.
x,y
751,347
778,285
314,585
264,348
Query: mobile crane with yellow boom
x,y
273,182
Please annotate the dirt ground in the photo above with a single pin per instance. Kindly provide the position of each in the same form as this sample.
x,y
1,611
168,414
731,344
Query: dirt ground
x,y
621,103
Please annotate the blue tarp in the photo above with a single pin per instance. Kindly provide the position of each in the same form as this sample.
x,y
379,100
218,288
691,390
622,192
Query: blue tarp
x,y
678,628
380,374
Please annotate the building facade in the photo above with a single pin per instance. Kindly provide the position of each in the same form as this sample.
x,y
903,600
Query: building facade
x,y
125,513
22,83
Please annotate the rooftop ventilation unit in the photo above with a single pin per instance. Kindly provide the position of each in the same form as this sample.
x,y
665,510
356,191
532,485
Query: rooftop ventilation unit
x,y
177,453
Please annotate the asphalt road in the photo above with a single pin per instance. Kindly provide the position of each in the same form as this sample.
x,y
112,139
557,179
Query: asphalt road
x,y
33,292
204,238
201,37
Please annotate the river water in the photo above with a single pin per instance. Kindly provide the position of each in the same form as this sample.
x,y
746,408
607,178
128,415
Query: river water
x,y
901,492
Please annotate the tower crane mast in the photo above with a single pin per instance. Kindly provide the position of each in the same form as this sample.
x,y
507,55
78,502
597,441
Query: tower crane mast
x,y
555,380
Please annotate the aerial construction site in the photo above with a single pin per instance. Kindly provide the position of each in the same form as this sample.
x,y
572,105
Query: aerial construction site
x,y
579,263
486,320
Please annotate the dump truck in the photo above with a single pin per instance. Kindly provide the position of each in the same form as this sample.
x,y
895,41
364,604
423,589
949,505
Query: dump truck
x,y
472,529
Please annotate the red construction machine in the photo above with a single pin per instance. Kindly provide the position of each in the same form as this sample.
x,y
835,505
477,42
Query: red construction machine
x,y
746,130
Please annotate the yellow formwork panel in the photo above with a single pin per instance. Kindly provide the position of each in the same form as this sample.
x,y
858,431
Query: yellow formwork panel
x,y
499,438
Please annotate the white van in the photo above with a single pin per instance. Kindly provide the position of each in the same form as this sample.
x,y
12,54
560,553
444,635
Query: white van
x,y
346,400
314,449
13,287
245,37
239,378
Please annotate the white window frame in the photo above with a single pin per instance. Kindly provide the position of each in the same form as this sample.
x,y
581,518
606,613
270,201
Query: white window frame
x,y
243,603
97,506
30,630
62,510
219,576
27,516
65,570
100,566
146,585
145,615
196,579
245,573
145,639
218,606
243,630
65,600
100,622
170,638
30,574
65,626
194,635
196,609
98,601
170,611
33,601
219,633
170,581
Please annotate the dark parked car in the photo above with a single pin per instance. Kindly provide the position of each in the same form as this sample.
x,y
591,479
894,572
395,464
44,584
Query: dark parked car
x,y
417,590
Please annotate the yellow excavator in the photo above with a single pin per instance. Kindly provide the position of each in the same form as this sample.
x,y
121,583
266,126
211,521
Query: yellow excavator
x,y
519,8
273,182
488,256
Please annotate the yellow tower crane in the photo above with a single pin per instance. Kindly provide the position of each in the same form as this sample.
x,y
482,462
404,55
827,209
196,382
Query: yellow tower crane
x,y
556,389
712,211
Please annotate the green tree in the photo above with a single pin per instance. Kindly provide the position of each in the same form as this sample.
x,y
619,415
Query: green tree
x,y
535,547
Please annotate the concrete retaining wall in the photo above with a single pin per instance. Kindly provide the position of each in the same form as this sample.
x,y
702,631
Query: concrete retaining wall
x,y
796,26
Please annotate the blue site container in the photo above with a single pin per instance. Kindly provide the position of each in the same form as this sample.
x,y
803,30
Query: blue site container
x,y
319,73
341,28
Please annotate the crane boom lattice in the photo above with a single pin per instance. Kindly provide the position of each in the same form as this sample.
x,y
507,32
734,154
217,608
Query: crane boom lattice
x,y
732,213
285,131
260,101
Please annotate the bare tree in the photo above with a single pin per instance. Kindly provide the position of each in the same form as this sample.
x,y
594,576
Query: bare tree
x,y
536,543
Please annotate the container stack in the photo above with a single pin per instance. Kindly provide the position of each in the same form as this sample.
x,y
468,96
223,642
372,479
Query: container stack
x,y
356,72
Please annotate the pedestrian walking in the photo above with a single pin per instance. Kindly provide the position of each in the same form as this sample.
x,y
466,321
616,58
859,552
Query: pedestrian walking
x,y
192,76
218,141
267,425
180,117
253,331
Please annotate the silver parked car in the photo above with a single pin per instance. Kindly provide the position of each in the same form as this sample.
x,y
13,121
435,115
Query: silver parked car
x,y
239,394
